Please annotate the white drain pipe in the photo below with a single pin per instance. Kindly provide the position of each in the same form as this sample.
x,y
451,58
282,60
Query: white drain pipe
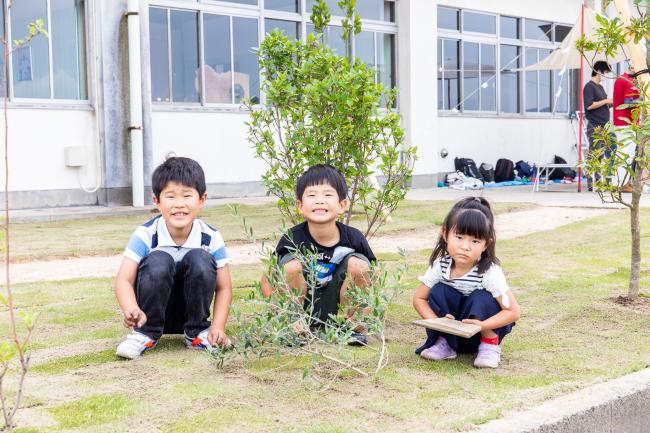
x,y
135,101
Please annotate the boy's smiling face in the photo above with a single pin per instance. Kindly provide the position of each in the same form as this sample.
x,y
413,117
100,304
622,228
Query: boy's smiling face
x,y
179,205
320,204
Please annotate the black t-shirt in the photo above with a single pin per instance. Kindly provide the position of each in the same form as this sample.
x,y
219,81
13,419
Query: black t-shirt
x,y
351,240
593,93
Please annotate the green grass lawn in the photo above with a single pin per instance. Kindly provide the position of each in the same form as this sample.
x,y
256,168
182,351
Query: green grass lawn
x,y
109,235
571,334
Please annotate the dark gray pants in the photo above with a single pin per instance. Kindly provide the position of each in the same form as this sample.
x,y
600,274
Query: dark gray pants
x,y
176,297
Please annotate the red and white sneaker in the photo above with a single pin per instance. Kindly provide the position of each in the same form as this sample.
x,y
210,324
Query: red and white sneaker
x,y
134,345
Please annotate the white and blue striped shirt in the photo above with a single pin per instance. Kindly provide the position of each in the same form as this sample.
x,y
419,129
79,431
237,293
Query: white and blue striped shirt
x,y
154,236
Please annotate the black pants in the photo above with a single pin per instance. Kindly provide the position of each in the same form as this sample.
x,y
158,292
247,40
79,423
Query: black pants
x,y
595,144
480,304
176,297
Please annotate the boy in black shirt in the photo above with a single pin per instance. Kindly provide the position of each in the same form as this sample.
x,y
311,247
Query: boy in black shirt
x,y
340,249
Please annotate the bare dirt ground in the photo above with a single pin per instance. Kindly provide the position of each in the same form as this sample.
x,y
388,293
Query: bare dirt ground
x,y
508,226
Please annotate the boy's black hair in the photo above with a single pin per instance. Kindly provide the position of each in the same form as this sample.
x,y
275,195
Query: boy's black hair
x,y
470,216
185,171
600,67
322,174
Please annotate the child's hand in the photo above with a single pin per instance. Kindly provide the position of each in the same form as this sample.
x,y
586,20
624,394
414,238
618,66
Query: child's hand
x,y
134,318
474,322
449,316
218,337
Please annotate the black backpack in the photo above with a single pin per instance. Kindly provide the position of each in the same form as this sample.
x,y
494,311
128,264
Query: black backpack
x,y
468,167
562,172
523,169
487,171
504,171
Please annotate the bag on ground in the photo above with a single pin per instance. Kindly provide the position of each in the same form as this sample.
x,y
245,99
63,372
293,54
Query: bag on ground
x,y
523,169
468,167
504,171
562,172
487,171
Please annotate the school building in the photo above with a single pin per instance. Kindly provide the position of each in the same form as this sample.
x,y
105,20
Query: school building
x,y
118,85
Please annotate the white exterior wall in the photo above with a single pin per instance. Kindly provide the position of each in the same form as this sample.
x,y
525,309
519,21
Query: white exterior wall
x,y
216,140
37,138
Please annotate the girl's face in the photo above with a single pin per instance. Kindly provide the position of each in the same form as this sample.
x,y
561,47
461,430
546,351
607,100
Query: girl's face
x,y
465,250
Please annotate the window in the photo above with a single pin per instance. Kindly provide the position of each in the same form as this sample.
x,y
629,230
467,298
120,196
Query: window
x,y
282,5
538,30
561,32
538,83
289,28
448,19
207,55
449,74
510,93
509,27
378,10
479,23
476,73
54,67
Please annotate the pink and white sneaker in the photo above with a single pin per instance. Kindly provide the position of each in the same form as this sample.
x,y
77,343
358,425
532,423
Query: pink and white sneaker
x,y
439,351
488,356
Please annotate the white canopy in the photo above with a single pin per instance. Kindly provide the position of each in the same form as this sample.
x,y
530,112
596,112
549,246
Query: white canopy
x,y
567,55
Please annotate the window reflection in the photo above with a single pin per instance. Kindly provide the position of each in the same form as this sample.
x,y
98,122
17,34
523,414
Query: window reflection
x,y
31,64
216,47
246,73
185,56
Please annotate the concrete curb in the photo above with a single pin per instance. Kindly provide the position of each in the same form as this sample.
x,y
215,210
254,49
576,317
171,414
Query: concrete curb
x,y
618,406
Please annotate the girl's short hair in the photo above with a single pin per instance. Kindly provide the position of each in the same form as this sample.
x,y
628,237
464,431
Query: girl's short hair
x,y
470,216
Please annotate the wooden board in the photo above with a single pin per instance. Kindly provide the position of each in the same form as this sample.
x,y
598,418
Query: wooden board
x,y
449,326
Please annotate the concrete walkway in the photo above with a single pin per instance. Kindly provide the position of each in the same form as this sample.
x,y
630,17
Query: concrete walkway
x,y
551,195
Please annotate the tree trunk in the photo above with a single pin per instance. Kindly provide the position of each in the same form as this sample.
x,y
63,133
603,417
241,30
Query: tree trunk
x,y
635,268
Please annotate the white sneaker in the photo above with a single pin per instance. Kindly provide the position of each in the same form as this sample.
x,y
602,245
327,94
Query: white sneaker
x,y
134,345
489,356
201,342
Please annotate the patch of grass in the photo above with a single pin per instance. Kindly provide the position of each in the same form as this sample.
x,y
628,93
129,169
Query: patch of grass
x,y
227,418
109,235
61,365
94,410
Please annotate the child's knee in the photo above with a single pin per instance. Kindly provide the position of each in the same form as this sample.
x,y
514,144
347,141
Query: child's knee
x,y
293,268
201,260
357,267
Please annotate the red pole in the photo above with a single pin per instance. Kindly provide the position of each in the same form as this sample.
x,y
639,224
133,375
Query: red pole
x,y
582,32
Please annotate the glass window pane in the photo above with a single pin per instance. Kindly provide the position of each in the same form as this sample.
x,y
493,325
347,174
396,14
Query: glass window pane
x,y
68,49
538,30
386,59
488,77
544,85
244,2
509,27
185,56
531,81
334,40
481,23
216,47
246,71
2,32
331,4
389,11
31,64
561,92
159,54
451,73
509,91
561,32
289,28
282,5
470,76
448,18
371,9
364,48
441,94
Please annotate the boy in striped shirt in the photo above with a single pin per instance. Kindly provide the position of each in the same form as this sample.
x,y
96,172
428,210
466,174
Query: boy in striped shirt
x,y
173,265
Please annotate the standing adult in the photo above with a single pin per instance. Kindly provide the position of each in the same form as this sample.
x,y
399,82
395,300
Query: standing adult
x,y
597,106
625,93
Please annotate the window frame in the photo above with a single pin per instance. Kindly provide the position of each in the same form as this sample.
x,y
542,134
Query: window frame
x,y
51,102
498,40
261,14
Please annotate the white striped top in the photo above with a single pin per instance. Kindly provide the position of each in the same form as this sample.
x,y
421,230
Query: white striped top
x,y
154,236
493,280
